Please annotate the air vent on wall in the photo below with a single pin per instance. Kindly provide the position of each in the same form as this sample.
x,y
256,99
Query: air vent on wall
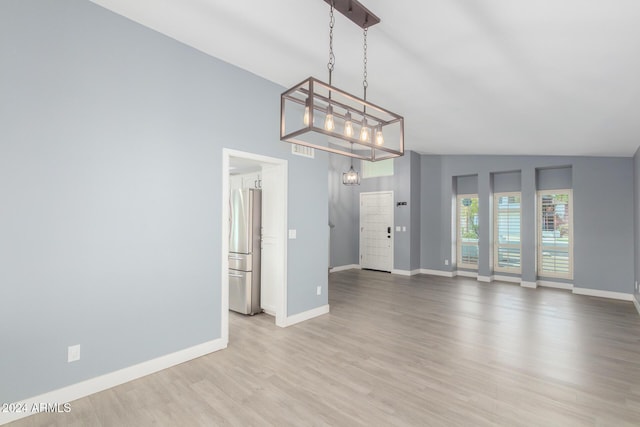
x,y
304,151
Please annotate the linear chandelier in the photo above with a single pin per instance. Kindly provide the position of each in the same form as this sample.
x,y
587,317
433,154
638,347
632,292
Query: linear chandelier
x,y
318,115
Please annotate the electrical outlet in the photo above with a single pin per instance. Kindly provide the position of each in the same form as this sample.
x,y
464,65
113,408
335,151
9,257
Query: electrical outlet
x,y
73,353
319,290
404,228
446,262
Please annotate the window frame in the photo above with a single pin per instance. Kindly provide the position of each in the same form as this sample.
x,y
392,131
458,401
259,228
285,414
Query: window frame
x,y
372,169
496,239
540,246
460,264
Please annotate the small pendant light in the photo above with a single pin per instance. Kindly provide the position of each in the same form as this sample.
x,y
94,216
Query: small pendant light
x,y
351,177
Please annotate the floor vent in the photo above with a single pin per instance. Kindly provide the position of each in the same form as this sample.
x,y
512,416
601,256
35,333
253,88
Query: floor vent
x,y
301,150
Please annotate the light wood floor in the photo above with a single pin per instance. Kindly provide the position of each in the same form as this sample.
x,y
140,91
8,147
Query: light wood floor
x,y
401,351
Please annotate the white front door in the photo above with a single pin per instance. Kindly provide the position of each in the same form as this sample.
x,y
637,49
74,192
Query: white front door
x,y
376,230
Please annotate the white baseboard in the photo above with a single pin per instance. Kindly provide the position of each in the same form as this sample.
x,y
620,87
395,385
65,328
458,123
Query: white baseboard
x,y
436,272
269,310
603,294
344,267
531,285
306,315
556,285
466,273
486,279
511,279
112,379
636,303
406,272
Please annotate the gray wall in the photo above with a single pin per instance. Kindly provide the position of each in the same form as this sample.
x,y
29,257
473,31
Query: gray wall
x,y
111,139
636,213
342,215
504,182
415,206
603,256
405,184
554,178
603,223
467,184
431,212
402,214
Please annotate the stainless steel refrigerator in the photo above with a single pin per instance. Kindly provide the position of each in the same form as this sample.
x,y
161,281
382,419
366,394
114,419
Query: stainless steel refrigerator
x,y
244,250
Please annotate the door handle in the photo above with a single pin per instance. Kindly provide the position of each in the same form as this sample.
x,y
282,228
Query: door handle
x,y
389,230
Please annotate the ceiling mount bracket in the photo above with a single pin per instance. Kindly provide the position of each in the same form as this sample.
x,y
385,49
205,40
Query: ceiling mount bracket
x,y
356,12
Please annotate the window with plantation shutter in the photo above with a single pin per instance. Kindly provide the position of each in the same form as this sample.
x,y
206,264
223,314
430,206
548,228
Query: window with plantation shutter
x,y
555,234
506,239
467,225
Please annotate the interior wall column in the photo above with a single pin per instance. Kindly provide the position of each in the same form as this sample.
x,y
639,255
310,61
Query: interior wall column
x,y
485,232
528,227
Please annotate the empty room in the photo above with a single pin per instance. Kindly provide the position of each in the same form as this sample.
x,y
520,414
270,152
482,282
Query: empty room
x,y
319,212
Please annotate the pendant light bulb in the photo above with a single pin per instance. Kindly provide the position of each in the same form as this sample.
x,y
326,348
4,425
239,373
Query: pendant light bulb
x,y
348,125
365,132
307,111
329,124
379,136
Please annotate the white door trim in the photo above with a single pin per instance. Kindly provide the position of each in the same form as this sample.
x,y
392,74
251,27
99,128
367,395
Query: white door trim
x,y
281,292
392,226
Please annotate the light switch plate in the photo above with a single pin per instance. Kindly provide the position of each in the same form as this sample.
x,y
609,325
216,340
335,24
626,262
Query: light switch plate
x,y
292,234
398,228
73,353
404,228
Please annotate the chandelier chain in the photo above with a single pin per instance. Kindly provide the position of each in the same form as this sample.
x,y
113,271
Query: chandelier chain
x,y
317,112
365,83
332,57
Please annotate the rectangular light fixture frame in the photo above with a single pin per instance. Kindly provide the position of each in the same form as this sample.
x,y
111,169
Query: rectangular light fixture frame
x,y
318,95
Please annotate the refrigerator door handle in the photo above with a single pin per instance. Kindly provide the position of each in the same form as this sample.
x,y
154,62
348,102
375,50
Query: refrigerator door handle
x,y
235,275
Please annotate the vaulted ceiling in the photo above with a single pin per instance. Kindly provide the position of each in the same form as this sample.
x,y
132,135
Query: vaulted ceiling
x,y
557,77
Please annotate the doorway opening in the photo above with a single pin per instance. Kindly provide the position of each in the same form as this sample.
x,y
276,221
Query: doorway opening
x,y
247,170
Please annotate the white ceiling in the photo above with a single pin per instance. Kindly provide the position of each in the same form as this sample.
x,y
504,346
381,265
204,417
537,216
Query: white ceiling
x,y
557,77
